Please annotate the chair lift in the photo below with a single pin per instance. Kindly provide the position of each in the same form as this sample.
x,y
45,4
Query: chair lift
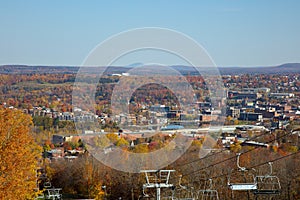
x,y
208,193
47,184
39,196
242,186
157,179
267,184
53,193
144,195
184,192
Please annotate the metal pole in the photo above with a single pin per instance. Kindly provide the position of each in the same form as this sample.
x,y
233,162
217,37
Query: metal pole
x,y
132,194
158,192
104,188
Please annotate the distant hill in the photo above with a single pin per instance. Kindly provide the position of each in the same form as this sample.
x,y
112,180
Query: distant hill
x,y
24,69
287,68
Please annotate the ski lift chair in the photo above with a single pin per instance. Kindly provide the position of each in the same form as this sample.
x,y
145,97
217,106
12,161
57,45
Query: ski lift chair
x,y
267,184
184,192
242,186
47,184
208,193
144,195
53,193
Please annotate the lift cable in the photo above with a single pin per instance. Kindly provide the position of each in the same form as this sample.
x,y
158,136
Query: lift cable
x,y
217,163
214,154
258,165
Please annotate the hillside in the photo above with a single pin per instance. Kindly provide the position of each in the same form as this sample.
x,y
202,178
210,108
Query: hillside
x,y
280,69
286,68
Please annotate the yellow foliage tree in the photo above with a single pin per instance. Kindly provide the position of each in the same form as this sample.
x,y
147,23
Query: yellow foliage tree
x,y
19,156
101,141
236,122
97,192
112,137
141,148
235,147
122,143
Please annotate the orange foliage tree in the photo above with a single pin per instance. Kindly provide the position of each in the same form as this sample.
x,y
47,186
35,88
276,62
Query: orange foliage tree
x,y
19,156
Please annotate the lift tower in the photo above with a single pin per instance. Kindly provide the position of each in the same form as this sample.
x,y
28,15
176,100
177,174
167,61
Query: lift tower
x,y
157,179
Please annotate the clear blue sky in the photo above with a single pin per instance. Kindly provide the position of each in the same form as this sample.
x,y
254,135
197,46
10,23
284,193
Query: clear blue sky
x,y
63,32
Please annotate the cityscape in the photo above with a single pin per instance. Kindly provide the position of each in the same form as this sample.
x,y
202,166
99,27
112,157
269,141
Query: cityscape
x,y
140,100
261,118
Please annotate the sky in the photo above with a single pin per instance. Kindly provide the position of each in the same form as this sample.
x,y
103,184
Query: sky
x,y
234,33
